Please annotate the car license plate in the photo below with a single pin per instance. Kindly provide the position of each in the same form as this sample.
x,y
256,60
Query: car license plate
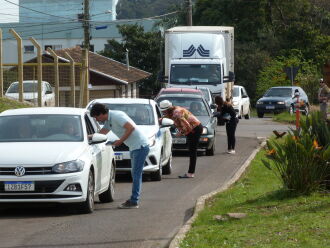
x,y
270,107
179,141
19,186
118,156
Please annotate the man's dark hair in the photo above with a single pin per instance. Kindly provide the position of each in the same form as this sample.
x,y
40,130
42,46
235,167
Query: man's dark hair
x,y
98,108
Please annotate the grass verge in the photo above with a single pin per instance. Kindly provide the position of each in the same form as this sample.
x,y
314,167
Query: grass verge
x,y
6,103
274,218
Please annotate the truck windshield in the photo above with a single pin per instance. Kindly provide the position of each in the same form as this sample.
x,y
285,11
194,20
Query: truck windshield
x,y
195,74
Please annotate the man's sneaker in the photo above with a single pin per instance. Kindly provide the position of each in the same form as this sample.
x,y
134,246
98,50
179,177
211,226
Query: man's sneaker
x,y
231,152
128,205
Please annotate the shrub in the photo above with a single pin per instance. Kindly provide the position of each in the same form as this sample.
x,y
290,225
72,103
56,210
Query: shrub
x,y
302,159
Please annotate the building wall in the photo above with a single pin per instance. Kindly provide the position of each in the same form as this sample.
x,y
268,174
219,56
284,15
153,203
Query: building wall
x,y
67,9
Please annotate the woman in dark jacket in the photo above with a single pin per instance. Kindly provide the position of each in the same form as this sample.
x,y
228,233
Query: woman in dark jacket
x,y
226,111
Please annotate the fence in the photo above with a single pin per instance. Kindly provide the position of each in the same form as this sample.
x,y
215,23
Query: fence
x,y
67,79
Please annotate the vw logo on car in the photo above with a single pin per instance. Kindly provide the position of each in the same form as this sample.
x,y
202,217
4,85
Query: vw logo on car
x,y
19,171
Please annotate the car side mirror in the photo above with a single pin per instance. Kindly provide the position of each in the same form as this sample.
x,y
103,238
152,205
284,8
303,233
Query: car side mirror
x,y
244,96
48,92
166,122
213,106
98,138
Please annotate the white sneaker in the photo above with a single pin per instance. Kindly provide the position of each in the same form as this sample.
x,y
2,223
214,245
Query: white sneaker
x,y
231,152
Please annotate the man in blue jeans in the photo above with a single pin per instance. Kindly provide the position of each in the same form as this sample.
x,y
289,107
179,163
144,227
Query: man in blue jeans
x,y
124,127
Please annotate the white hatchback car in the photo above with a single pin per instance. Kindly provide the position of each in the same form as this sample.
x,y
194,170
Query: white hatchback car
x,y
46,156
145,113
30,92
241,102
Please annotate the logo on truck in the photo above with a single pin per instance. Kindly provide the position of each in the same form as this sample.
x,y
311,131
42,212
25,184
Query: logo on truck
x,y
201,51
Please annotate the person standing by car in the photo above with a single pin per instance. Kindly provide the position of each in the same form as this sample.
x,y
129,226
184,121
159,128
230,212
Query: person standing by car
x,y
187,124
125,128
226,111
324,95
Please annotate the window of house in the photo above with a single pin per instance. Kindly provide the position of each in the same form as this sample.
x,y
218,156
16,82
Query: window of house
x,y
54,47
28,49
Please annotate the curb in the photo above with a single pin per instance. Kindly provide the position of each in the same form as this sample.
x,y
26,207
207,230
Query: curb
x,y
200,203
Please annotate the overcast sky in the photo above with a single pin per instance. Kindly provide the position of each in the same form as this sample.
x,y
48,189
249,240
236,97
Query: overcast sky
x,y
8,12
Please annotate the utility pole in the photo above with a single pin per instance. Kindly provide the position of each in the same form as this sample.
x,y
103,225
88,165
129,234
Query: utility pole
x,y
86,25
189,13
84,93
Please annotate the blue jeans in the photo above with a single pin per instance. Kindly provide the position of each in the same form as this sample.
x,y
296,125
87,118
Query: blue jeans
x,y
138,158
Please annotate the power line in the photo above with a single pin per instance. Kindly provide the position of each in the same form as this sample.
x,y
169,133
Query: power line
x,y
36,10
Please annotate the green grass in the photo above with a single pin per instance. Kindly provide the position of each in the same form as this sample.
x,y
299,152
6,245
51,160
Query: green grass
x,y
285,117
6,103
274,218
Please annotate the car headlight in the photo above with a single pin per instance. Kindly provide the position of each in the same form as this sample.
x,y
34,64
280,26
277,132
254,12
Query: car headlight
x,y
68,167
152,141
204,130
259,102
280,102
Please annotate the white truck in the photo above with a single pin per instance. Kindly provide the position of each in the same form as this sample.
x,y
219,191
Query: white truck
x,y
200,56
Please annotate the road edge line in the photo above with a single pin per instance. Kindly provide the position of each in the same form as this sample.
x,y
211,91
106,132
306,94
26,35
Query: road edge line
x,y
200,203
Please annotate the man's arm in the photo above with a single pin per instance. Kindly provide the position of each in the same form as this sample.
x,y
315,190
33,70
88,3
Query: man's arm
x,y
129,129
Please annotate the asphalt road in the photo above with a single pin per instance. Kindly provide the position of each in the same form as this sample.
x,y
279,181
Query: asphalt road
x,y
164,207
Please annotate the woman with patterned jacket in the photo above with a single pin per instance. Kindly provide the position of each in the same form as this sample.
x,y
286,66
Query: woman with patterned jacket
x,y
188,125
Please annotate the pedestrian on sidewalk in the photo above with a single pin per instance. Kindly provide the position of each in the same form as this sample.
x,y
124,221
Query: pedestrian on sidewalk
x,y
226,112
125,128
323,97
188,125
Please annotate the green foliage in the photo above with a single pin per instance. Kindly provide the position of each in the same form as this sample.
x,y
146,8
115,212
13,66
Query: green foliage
x,y
266,33
6,103
273,74
144,49
300,161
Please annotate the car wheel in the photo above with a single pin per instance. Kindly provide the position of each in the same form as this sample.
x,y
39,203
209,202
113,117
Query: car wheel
x,y
260,115
210,152
167,169
291,110
87,206
306,110
247,116
240,113
108,195
157,175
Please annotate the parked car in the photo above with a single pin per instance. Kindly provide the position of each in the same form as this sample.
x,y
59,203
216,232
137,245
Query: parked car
x,y
241,102
41,162
145,113
30,92
205,90
281,99
196,104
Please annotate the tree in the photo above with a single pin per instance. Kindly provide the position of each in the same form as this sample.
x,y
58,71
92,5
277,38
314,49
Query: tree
x,y
144,49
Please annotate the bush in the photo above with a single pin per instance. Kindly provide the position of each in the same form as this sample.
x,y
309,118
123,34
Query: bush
x,y
302,159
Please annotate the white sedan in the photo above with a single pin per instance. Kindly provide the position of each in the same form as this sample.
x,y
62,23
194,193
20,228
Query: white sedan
x,y
241,102
145,113
46,156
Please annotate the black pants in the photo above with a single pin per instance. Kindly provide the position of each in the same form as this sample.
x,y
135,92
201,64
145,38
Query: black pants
x,y
193,139
231,129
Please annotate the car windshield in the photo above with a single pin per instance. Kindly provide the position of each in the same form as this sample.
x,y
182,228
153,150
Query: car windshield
x,y
281,92
40,128
141,114
27,88
195,105
195,74
236,92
